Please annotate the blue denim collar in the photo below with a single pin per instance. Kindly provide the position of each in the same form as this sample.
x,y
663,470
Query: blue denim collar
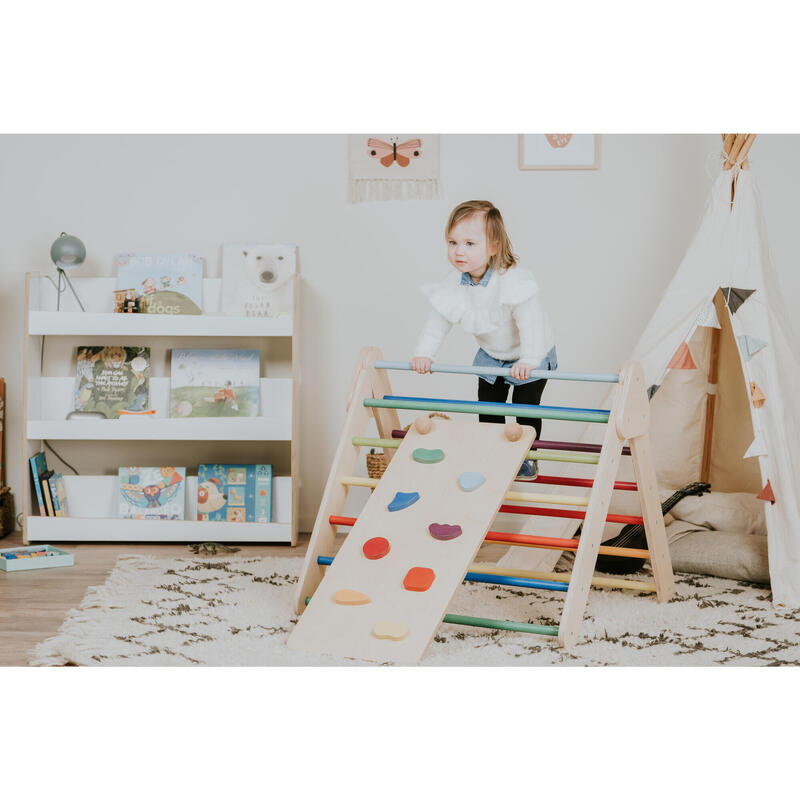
x,y
466,279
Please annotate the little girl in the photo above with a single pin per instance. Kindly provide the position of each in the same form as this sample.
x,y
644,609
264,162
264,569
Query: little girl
x,y
498,303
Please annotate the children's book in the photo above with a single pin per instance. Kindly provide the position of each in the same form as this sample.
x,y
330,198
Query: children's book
x,y
214,383
48,498
164,283
234,492
38,468
112,379
258,279
152,492
58,495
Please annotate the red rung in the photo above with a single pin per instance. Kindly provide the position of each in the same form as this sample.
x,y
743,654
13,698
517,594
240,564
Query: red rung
x,y
552,480
493,536
568,513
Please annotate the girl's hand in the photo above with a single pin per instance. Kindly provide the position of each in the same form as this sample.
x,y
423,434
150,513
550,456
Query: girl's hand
x,y
521,371
421,365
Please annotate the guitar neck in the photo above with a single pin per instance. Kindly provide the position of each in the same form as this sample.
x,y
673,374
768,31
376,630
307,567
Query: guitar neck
x,y
671,502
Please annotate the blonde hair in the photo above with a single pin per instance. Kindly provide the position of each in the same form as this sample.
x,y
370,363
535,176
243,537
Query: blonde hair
x,y
496,234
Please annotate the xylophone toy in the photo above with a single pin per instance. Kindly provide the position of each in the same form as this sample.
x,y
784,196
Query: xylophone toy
x,y
386,591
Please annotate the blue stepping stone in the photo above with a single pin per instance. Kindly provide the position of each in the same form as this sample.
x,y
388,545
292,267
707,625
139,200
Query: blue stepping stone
x,y
469,481
403,500
427,456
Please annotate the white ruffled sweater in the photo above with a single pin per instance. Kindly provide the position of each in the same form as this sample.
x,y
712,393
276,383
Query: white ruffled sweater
x,y
505,316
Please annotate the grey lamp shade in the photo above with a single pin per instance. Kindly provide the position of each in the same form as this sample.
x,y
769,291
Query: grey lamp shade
x,y
67,252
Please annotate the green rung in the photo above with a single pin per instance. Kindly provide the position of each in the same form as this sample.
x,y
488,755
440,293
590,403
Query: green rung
x,y
498,624
497,409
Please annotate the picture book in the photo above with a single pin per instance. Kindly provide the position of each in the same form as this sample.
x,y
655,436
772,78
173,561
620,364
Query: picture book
x,y
112,379
234,492
38,468
48,498
163,283
58,494
214,383
258,279
152,492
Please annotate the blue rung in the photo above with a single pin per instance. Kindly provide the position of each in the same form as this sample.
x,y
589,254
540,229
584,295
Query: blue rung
x,y
512,406
505,372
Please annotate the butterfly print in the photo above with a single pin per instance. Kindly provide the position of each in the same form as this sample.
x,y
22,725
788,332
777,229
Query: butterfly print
x,y
390,152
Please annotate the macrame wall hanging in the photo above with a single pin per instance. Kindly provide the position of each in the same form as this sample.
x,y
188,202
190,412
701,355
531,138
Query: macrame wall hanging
x,y
393,166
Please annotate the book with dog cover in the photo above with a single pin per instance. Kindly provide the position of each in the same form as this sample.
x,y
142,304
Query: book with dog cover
x,y
164,283
112,379
234,492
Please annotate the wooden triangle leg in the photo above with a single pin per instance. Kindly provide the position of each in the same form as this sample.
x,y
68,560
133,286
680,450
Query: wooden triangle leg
x,y
653,519
591,536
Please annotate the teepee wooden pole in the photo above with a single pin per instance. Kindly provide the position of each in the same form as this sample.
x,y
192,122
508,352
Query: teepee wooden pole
x,y
711,400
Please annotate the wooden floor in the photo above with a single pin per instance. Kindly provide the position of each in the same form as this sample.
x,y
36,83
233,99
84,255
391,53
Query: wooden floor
x,y
33,604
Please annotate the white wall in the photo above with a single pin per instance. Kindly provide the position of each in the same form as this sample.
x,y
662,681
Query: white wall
x,y
603,244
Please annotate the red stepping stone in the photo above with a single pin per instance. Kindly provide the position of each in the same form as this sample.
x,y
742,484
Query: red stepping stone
x,y
376,548
419,579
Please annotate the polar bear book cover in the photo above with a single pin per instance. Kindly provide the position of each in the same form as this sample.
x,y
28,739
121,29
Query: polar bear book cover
x,y
258,279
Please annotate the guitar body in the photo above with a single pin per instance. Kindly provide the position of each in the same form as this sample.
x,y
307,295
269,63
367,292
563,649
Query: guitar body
x,y
634,536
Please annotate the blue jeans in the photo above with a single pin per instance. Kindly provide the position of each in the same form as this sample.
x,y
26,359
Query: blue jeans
x,y
483,359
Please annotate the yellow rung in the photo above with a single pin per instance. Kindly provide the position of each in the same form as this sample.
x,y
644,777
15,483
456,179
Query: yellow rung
x,y
607,583
524,497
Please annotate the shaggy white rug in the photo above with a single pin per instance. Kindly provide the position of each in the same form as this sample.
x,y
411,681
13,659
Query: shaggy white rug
x,y
231,611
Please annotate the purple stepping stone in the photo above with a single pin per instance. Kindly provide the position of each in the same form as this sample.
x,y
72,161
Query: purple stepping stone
x,y
444,532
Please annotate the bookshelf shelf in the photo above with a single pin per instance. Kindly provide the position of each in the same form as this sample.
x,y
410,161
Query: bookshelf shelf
x,y
92,499
69,323
93,506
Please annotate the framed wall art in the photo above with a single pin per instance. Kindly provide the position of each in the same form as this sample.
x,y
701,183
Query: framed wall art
x,y
559,151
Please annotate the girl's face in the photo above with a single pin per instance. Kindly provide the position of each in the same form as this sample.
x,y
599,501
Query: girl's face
x,y
467,247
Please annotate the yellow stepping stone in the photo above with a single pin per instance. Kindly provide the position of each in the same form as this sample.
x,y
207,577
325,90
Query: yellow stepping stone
x,y
350,597
391,630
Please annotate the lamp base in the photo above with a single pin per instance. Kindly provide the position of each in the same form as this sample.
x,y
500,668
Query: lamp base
x,y
60,289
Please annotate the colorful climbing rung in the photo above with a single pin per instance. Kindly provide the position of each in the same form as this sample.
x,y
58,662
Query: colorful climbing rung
x,y
505,372
523,497
482,577
511,406
526,540
547,444
498,624
495,409
533,455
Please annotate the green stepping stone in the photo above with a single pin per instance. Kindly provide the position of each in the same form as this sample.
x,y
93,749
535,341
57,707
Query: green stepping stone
x,y
428,456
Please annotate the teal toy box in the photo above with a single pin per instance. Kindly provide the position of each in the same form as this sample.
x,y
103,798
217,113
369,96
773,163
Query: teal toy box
x,y
16,559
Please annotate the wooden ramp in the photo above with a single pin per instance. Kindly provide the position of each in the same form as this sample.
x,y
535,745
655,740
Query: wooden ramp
x,y
348,630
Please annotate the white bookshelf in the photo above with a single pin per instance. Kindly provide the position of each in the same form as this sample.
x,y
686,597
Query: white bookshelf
x,y
92,499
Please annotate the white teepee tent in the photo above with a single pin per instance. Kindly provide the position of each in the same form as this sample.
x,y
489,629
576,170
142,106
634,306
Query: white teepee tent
x,y
724,373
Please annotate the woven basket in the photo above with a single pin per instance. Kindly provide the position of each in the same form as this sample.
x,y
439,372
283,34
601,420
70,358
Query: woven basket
x,y
7,516
377,462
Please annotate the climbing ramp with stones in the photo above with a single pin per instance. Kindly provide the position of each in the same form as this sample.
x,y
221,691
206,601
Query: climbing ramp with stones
x,y
382,596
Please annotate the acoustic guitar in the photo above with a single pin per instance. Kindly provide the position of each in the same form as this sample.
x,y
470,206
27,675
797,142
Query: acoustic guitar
x,y
634,536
